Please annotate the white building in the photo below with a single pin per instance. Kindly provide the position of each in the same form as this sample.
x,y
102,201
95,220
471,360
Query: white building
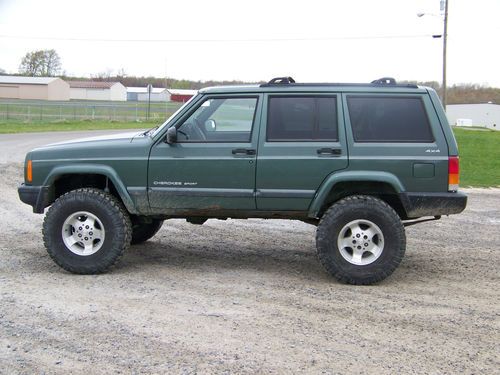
x,y
90,90
140,94
35,88
486,115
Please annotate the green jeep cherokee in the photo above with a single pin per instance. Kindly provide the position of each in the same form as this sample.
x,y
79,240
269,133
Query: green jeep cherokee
x,y
359,161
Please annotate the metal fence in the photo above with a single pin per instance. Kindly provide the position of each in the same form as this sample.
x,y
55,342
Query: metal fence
x,y
43,111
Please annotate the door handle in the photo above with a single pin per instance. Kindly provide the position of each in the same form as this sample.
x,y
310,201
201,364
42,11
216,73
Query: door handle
x,y
243,151
329,151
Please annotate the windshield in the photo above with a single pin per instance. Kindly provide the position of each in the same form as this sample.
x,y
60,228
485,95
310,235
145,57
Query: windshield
x,y
166,123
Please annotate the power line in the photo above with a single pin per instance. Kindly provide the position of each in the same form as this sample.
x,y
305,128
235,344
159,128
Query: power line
x,y
261,40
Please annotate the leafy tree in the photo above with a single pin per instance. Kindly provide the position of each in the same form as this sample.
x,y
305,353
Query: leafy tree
x,y
41,63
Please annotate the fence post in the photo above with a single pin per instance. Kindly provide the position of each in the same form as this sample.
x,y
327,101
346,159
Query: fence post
x,y
74,112
93,112
60,112
29,113
41,112
7,112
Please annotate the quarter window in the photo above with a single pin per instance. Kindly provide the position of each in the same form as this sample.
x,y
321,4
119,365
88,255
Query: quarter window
x,y
389,119
302,118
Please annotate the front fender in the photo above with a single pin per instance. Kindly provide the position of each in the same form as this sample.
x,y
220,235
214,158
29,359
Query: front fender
x,y
101,169
350,176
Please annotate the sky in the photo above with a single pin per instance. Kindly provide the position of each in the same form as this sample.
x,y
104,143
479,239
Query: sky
x,y
312,41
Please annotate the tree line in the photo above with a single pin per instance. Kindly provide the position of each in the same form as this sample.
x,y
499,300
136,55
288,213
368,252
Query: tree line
x,y
48,63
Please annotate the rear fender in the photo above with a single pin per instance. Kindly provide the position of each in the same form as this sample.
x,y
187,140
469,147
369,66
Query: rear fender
x,y
350,176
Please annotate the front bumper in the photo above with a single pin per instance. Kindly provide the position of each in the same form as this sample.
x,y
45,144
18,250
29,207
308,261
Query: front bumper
x,y
36,196
433,204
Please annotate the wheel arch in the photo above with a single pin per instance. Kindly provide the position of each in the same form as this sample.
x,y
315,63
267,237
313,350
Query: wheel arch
x,y
62,179
383,185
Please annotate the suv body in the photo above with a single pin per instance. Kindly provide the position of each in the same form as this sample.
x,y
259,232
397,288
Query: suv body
x,y
380,154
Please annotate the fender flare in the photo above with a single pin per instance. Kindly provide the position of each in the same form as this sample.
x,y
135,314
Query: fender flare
x,y
350,176
100,169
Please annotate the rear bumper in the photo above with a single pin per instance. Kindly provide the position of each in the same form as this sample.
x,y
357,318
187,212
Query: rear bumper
x,y
433,204
35,196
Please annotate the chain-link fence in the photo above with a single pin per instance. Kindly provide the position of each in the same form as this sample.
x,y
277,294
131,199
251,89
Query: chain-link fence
x,y
44,111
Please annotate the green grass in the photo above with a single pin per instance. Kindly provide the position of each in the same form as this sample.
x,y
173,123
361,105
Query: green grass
x,y
49,111
479,157
30,127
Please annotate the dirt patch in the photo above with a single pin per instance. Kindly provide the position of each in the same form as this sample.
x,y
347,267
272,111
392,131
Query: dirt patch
x,y
247,296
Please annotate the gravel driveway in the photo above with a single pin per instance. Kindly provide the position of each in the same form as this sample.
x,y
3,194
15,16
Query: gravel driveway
x,y
247,296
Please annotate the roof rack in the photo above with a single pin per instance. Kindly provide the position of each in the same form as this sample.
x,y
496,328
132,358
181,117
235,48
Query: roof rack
x,y
281,81
384,81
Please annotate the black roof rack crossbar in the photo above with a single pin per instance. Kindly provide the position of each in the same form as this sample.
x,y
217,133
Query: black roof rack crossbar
x,y
281,81
384,81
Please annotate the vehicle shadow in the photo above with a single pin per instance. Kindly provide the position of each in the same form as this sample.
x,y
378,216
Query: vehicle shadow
x,y
204,257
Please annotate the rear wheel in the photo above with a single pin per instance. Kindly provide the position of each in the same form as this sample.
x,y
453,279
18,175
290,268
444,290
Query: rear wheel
x,y
86,231
360,240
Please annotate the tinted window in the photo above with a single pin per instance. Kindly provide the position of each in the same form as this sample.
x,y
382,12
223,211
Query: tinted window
x,y
388,119
220,120
302,118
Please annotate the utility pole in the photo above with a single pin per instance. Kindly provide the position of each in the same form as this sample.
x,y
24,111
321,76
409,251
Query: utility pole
x,y
445,37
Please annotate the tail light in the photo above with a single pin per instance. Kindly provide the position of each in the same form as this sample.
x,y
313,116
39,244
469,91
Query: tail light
x,y
29,171
453,173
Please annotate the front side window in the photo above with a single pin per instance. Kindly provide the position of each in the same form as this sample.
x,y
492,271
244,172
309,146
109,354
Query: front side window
x,y
220,120
302,118
389,119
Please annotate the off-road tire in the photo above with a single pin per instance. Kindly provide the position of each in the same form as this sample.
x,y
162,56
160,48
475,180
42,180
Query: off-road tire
x,y
347,210
141,232
108,209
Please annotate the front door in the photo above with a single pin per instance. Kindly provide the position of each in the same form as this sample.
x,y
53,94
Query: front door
x,y
212,165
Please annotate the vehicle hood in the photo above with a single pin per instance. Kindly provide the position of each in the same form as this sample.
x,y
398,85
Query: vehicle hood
x,y
120,145
101,138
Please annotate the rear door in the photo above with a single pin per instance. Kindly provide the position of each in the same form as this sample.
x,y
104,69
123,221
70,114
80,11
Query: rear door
x,y
302,140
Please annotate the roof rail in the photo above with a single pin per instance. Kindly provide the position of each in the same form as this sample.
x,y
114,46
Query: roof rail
x,y
384,81
289,81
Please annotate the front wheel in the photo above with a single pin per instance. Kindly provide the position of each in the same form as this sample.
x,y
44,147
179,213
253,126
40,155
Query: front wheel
x,y
86,231
360,240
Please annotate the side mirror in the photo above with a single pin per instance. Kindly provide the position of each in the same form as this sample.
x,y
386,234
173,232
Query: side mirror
x,y
171,135
210,125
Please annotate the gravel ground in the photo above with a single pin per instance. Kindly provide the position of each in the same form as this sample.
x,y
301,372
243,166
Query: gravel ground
x,y
248,296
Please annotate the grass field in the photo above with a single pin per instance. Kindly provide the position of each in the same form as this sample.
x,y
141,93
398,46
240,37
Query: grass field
x,y
479,157
47,111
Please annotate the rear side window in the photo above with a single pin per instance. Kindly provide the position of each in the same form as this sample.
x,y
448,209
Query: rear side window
x,y
389,119
302,118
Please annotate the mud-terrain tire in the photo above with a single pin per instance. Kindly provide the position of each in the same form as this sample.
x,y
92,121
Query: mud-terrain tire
x,y
360,240
95,218
141,232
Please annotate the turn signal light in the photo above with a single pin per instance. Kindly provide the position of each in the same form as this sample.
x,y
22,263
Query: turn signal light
x,y
453,173
29,171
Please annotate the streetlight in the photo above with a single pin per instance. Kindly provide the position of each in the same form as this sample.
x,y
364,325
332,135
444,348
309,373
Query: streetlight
x,y
443,8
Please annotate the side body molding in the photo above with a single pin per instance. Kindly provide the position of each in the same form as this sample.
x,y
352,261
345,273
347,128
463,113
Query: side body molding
x,y
350,176
101,169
